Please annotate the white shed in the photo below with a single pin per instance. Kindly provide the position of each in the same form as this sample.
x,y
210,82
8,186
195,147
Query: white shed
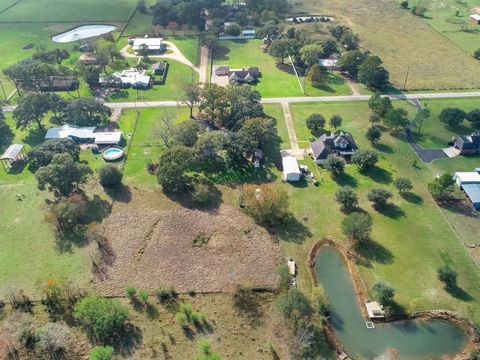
x,y
291,171
467,178
108,138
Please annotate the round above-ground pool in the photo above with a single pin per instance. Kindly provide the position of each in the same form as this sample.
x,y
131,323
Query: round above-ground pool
x,y
83,32
112,153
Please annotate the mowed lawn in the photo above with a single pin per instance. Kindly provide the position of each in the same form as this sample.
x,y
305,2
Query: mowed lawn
x,y
411,238
276,111
436,134
403,41
70,10
273,82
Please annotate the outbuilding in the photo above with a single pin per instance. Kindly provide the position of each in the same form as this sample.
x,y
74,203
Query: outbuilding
x,y
78,134
475,18
154,45
108,138
291,171
374,310
14,153
462,178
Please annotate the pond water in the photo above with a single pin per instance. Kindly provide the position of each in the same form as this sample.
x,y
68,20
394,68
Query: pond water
x,y
413,339
83,32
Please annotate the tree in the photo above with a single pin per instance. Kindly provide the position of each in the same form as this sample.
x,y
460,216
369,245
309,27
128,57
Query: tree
x,y
347,198
172,26
214,102
404,4
442,186
379,197
69,213
53,56
365,159
335,121
142,7
42,154
236,147
57,105
373,134
293,303
87,112
187,132
233,30
384,293
380,105
315,75
103,318
474,117
63,175
209,145
243,103
372,73
6,134
315,123
350,40
110,176
206,351
357,226
101,353
422,115
190,96
259,132
54,340
174,163
164,127
143,51
350,62
282,48
452,116
310,54
402,184
91,74
396,119
337,31
335,164
267,204
476,54
374,118
447,276
329,47
30,108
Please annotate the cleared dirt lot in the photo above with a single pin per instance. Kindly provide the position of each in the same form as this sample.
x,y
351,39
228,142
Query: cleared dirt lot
x,y
153,245
403,41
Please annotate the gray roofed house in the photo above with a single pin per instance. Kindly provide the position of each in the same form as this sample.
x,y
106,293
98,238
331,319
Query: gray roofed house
x,y
468,144
342,144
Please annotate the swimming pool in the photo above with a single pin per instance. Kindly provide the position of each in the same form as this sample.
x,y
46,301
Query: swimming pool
x,y
83,32
112,153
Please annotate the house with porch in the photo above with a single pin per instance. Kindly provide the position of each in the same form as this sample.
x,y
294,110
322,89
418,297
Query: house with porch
x,y
341,144
468,144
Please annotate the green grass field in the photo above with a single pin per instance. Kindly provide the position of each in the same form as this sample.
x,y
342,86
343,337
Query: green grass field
x,y
403,41
411,238
434,133
274,82
70,10
275,111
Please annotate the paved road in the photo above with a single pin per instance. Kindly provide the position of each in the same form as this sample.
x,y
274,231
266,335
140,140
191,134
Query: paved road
x,y
426,155
290,100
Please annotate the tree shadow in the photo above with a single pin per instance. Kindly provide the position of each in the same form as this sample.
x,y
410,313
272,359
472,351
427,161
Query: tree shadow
x,y
6,137
383,148
97,209
221,53
459,207
391,210
292,230
121,193
411,197
371,250
64,240
379,175
346,180
152,312
458,293
35,137
128,340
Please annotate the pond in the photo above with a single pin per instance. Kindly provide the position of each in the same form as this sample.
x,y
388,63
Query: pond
x,y
413,339
83,32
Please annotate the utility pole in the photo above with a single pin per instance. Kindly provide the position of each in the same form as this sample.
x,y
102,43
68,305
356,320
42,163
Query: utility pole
x,y
406,78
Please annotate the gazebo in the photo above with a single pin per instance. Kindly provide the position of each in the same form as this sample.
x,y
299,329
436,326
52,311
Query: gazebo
x,y
14,153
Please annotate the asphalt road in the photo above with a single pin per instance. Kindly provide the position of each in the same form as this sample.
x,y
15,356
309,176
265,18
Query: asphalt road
x,y
305,99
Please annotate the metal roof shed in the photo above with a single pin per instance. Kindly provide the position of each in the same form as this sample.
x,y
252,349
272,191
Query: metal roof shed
x,y
108,138
13,153
291,171
473,193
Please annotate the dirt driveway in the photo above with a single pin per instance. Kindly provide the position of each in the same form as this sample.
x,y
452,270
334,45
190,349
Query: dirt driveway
x,y
155,246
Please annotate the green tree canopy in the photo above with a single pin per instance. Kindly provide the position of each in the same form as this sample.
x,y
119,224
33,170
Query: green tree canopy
x,y
31,108
260,132
452,116
174,164
396,119
335,121
311,53
402,184
315,123
42,154
383,292
282,48
335,164
350,62
347,198
110,176
379,197
63,175
372,73
87,112
357,226
101,353
441,187
447,276
373,134
365,159
187,132
380,105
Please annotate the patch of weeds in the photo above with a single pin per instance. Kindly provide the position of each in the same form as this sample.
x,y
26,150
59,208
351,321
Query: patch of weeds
x,y
201,239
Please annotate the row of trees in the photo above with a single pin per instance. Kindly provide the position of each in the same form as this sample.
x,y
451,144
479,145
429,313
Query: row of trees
x,y
365,68
454,117
33,107
364,159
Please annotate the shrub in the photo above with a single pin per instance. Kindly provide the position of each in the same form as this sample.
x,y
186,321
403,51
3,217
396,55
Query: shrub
x,y
379,196
103,318
101,353
143,296
321,302
447,276
244,299
19,300
347,198
373,134
54,340
335,121
110,176
293,302
474,117
205,193
357,226
165,295
131,292
383,292
442,186
404,4
365,159
476,54
335,164
452,116
402,184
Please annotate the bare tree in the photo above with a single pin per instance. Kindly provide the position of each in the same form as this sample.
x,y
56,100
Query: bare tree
x,y
54,340
164,129
190,96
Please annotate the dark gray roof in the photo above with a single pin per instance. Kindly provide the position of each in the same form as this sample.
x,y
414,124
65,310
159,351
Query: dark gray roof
x,y
327,144
319,150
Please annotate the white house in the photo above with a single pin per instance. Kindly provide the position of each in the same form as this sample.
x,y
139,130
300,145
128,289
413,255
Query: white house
x,y
374,310
108,138
291,171
154,45
462,178
78,134
329,63
133,78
